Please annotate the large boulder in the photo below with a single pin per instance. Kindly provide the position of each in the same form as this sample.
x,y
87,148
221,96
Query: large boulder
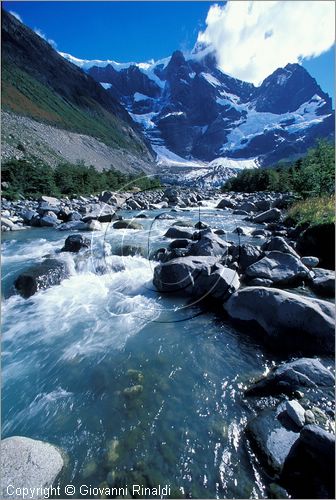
x,y
289,322
293,376
41,276
319,240
208,244
127,224
51,200
49,220
75,242
309,468
280,244
247,206
74,225
175,232
272,215
198,276
323,283
270,439
246,255
30,464
226,203
281,268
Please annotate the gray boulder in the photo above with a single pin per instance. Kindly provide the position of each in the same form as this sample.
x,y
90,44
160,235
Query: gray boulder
x,y
323,283
28,463
75,242
270,439
49,220
310,261
50,200
127,224
175,233
272,215
28,215
225,203
247,206
309,468
41,276
278,243
296,375
208,243
289,322
198,276
246,255
281,268
75,225
295,412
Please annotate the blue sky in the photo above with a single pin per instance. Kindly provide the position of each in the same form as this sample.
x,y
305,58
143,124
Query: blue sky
x,y
133,31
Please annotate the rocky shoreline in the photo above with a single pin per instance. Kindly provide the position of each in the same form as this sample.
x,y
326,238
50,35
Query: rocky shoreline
x,y
276,290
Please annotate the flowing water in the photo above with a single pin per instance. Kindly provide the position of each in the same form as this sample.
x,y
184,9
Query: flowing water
x,y
69,353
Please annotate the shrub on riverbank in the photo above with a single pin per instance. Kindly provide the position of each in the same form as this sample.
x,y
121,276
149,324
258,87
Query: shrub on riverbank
x,y
33,178
313,211
311,176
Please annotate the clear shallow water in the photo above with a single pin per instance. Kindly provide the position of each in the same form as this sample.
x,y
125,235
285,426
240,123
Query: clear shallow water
x,y
69,353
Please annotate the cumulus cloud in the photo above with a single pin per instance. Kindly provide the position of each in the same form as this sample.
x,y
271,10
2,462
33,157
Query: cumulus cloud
x,y
43,35
15,14
254,38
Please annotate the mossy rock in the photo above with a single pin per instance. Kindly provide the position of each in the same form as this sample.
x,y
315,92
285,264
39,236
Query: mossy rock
x,y
135,375
89,469
133,391
112,453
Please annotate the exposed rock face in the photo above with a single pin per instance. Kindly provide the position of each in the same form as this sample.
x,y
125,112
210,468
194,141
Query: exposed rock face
x,y
290,322
41,276
279,244
197,111
309,469
28,463
246,255
293,376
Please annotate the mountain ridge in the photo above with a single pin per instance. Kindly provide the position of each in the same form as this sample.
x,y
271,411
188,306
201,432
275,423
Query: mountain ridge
x,y
187,105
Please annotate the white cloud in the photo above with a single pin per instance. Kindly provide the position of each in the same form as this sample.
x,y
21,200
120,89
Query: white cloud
x,y
43,35
254,38
15,14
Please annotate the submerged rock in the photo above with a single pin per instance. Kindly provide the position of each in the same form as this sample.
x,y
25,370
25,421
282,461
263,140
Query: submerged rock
x,y
293,376
28,463
290,322
41,276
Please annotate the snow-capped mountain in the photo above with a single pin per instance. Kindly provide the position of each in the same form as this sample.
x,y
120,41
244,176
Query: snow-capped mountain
x,y
193,113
